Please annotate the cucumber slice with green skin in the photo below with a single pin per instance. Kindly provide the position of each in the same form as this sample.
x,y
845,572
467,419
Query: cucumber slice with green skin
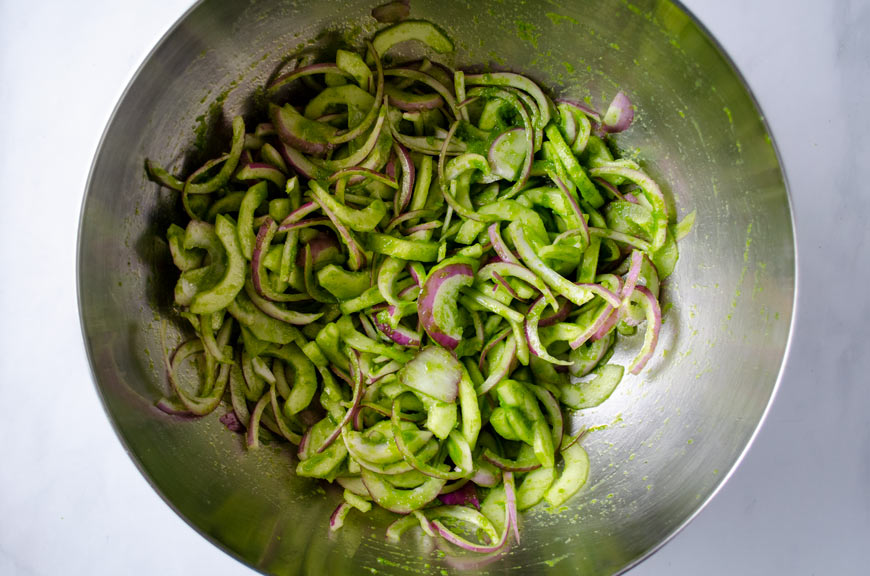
x,y
353,484
507,153
353,64
363,343
420,30
572,478
470,409
232,160
183,258
324,464
499,422
380,448
399,500
329,341
419,251
255,196
200,235
441,417
575,172
341,283
534,487
304,376
593,393
220,295
433,372
337,97
364,220
262,326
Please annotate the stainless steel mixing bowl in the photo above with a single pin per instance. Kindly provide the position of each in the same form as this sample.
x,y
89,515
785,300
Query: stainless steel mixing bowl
x,y
673,434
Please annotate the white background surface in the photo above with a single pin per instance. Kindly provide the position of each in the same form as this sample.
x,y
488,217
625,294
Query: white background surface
x,y
72,502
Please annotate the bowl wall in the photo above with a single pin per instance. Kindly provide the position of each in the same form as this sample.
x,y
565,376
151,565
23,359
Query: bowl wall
x,y
672,435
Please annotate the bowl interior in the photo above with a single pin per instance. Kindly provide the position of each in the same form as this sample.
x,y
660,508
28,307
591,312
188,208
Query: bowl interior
x,y
670,436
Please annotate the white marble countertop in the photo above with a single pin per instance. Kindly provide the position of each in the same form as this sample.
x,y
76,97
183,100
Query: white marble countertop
x,y
72,502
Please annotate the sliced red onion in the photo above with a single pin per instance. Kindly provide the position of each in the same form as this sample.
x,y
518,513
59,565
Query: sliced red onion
x,y
558,316
322,68
568,124
508,465
428,80
335,119
517,271
511,498
441,289
365,173
266,231
484,476
400,335
478,325
264,129
462,497
581,107
423,227
603,324
501,370
413,102
504,284
300,163
531,329
252,439
461,542
357,258
352,409
391,11
367,147
612,189
390,170
632,276
403,196
653,325
310,222
336,521
404,217
304,447
577,438
498,244
231,421
584,228
619,114
368,327
417,273
323,243
289,316
295,130
298,215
